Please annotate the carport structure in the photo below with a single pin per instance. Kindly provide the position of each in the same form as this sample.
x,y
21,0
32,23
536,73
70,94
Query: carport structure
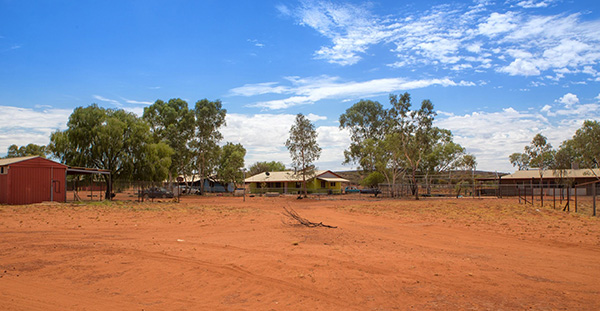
x,y
76,187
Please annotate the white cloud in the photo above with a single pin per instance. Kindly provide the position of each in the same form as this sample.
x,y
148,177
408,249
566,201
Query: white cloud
x,y
264,136
528,4
107,100
497,24
258,89
315,117
450,37
568,100
131,101
486,135
352,29
22,126
546,108
310,90
521,67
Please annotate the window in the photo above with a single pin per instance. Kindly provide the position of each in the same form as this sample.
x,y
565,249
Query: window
x,y
3,170
323,184
332,184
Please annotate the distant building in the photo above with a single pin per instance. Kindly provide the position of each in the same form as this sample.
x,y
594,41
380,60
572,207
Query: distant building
x,y
211,184
290,182
551,180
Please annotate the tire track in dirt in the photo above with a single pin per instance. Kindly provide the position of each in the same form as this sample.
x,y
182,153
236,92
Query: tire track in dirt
x,y
237,272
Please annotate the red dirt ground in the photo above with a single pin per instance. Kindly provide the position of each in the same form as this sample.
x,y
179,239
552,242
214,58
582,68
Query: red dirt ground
x,y
220,253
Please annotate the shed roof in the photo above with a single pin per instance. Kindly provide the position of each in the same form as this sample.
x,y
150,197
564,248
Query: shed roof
x,y
552,174
9,161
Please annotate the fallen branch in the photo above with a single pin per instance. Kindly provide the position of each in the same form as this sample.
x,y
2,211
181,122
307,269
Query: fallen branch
x,y
291,213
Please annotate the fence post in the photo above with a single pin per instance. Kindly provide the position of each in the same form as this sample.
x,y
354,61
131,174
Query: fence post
x,y
594,199
575,188
541,191
532,192
554,197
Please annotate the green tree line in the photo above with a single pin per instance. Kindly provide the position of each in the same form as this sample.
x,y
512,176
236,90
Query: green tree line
x,y
169,140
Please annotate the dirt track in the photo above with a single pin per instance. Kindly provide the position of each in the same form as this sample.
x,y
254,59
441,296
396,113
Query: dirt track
x,y
221,253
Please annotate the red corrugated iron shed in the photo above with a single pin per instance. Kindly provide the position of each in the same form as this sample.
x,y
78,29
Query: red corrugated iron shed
x,y
27,180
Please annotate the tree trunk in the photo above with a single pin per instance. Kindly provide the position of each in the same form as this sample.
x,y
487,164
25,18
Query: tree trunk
x,y
108,180
304,183
414,177
201,175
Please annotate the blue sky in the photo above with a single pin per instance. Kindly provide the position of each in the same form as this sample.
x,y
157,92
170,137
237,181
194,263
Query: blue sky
x,y
498,72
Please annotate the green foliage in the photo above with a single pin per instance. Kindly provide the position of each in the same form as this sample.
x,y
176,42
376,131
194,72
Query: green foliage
x,y
540,152
373,179
259,167
398,140
25,151
172,123
303,147
366,122
586,144
114,140
231,163
414,130
520,160
467,161
210,116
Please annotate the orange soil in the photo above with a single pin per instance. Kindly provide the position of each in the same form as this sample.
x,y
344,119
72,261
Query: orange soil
x,y
220,253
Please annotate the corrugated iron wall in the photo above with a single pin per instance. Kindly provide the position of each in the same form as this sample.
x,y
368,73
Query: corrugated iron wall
x,y
35,181
4,188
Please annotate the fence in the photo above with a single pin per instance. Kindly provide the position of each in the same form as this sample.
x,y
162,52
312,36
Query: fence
x,y
92,188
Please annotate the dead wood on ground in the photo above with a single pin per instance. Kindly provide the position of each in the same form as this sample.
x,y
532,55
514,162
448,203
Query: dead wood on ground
x,y
291,213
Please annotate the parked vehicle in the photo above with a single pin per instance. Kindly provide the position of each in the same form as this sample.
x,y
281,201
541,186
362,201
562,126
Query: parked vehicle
x,y
156,192
188,190
374,191
351,189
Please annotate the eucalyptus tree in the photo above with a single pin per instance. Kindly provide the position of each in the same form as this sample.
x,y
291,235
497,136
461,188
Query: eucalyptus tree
x,y
303,147
231,163
541,157
415,132
444,155
173,123
366,122
114,140
28,150
586,143
519,160
209,117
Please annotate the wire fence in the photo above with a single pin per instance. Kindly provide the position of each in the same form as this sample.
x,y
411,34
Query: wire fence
x,y
579,198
